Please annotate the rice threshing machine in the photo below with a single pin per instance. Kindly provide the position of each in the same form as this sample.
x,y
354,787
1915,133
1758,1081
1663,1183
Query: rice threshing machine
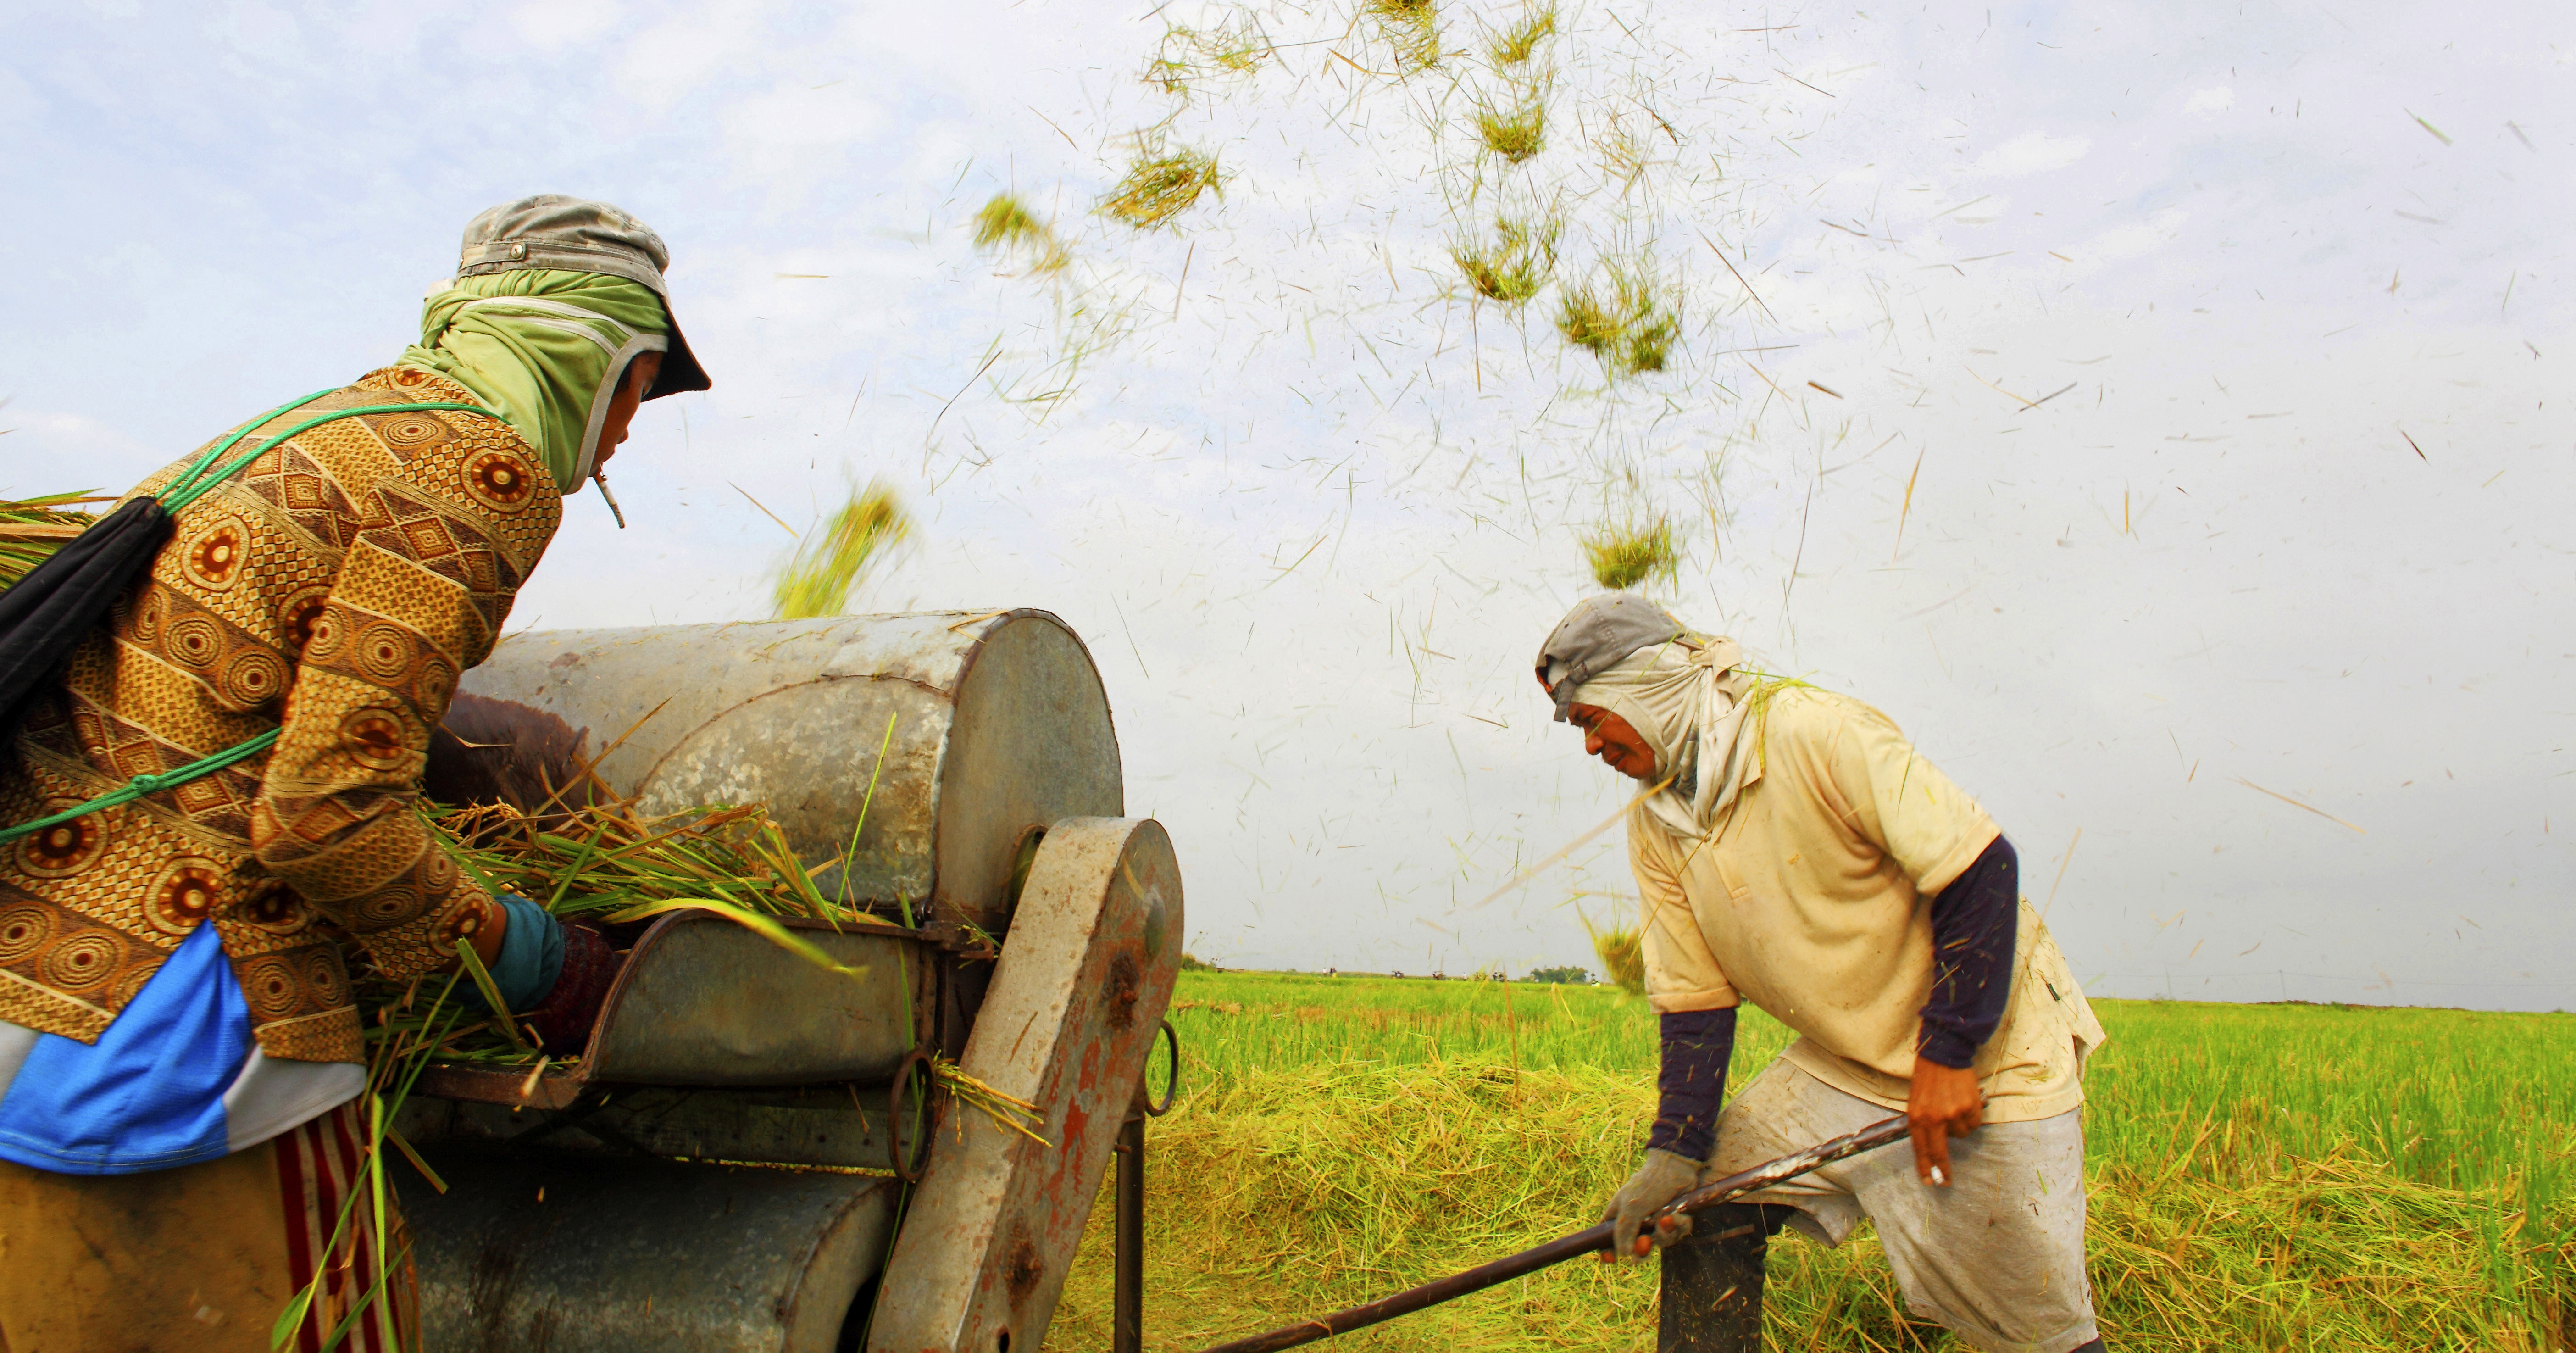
x,y
742,1159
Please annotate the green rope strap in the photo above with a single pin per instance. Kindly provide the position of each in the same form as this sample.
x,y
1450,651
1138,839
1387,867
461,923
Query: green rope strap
x,y
193,483
141,785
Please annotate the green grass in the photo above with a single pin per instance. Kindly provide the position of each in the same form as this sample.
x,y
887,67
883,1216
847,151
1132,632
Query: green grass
x,y
2287,1177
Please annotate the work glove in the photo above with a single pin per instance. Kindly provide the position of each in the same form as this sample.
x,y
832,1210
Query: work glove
x,y
1663,1177
562,1020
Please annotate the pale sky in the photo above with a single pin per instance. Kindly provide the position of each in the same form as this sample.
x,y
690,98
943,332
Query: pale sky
x,y
2287,284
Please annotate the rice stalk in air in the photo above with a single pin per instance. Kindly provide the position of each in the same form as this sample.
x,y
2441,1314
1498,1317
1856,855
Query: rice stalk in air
x,y
1160,186
1622,557
1187,55
1515,264
1515,44
837,556
1410,28
1518,132
1627,320
1622,951
1006,225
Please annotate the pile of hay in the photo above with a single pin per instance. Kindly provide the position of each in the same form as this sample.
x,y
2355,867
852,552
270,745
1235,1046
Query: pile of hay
x,y
1282,1194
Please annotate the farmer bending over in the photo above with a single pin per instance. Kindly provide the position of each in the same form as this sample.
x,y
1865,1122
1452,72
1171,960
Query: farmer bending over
x,y
182,1103
1797,853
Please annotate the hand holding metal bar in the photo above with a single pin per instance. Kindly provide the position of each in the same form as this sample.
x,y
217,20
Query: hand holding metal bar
x,y
1590,1240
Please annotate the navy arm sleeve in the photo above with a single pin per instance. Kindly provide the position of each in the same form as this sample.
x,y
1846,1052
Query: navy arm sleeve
x,y
1973,925
1696,1047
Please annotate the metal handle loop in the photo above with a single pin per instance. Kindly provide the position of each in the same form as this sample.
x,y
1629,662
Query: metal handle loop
x,y
911,1171
1172,1086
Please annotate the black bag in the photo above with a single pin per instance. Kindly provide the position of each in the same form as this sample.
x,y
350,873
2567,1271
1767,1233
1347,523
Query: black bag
x,y
62,599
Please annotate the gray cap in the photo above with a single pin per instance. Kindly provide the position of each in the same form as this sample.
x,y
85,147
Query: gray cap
x,y
1597,635
575,234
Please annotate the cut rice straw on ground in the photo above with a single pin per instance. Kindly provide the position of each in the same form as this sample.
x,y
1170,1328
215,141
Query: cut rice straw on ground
x,y
2260,1177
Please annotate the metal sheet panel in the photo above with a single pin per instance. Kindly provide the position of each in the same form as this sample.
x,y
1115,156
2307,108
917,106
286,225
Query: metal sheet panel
x,y
703,1001
577,1255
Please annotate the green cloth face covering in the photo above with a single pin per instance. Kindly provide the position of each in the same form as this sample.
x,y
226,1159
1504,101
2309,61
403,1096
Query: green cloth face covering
x,y
544,349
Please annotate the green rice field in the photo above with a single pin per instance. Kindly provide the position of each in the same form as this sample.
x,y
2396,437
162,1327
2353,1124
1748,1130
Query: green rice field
x,y
2262,1177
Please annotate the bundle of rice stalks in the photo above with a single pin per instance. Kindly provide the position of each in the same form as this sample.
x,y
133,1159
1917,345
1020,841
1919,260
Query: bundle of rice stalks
x,y
1410,28
1513,267
1631,329
32,529
1160,186
1622,557
1622,951
817,579
1518,132
1515,44
1187,54
1006,224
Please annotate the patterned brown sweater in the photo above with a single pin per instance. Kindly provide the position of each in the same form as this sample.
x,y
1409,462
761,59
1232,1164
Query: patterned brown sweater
x,y
334,588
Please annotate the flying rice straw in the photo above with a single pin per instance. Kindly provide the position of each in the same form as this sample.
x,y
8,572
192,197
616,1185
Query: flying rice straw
x,y
1569,848
2296,804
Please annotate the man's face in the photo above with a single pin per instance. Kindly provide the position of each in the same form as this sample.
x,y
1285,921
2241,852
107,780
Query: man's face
x,y
621,406
1613,739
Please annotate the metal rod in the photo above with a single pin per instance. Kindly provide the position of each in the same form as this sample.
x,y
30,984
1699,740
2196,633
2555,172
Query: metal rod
x,y
1590,1240
1127,1323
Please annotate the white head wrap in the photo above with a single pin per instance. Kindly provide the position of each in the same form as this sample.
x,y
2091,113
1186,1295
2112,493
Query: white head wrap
x,y
1686,699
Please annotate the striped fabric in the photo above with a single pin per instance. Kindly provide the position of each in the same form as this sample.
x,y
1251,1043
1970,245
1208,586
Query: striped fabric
x,y
319,1166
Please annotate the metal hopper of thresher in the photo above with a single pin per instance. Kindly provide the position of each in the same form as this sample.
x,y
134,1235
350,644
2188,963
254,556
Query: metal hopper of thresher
x,y
732,1163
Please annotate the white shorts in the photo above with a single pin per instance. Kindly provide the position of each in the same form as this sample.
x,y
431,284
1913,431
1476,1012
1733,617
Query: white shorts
x,y
1998,1256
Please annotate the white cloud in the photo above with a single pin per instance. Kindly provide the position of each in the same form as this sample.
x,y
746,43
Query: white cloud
x,y
2210,102
2032,153
553,24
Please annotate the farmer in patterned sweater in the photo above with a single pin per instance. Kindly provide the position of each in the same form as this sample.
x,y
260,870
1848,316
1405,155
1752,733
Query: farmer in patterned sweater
x,y
182,1099
1793,850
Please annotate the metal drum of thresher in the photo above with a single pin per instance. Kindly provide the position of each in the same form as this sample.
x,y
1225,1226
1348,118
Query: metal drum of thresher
x,y
726,1166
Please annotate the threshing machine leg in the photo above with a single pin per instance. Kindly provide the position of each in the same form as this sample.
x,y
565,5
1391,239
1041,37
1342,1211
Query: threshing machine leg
x,y
1128,1322
1712,1297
